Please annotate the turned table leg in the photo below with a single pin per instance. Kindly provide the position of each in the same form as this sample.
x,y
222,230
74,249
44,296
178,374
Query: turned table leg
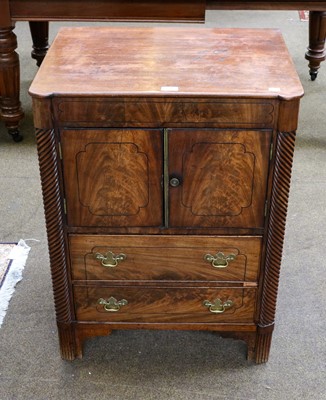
x,y
40,36
10,108
317,34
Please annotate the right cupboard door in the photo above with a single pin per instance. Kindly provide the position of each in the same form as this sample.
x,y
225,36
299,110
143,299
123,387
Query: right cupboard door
x,y
222,177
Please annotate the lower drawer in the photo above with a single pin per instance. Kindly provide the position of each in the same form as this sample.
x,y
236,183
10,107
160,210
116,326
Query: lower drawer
x,y
165,258
149,304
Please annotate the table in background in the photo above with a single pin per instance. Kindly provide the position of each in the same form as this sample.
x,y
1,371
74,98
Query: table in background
x,y
40,12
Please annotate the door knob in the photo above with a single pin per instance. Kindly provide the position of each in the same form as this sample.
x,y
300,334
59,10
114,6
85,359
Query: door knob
x,y
174,182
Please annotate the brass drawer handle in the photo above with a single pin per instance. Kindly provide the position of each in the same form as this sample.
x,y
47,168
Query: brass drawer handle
x,y
219,260
112,304
109,259
218,307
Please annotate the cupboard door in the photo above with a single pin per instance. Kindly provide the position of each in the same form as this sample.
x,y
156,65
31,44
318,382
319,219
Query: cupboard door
x,y
112,177
221,177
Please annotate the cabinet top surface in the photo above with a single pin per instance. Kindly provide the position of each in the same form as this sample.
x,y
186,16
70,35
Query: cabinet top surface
x,y
156,61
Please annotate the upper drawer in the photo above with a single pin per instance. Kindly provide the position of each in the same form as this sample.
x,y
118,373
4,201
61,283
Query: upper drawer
x,y
171,258
168,112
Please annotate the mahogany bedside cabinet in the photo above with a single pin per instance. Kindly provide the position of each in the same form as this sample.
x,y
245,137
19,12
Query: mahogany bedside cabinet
x,y
165,158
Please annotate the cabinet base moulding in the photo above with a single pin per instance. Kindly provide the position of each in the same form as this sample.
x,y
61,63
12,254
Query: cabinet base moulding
x,y
72,337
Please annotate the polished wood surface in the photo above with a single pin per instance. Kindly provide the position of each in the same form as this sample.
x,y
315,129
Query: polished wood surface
x,y
39,12
127,10
98,190
223,177
318,5
152,110
147,304
216,180
204,61
185,260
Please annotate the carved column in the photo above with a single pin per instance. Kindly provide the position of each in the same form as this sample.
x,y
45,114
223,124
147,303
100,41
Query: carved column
x,y
54,215
317,34
10,107
274,244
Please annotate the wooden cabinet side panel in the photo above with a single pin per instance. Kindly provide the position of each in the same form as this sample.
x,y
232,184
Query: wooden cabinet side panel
x,y
42,113
288,116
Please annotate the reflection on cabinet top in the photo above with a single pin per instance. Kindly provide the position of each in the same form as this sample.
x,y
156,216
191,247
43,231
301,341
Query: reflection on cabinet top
x,y
229,63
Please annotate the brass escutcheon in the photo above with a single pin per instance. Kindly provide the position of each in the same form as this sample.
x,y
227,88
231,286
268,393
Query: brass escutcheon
x,y
109,259
219,260
218,307
112,304
174,182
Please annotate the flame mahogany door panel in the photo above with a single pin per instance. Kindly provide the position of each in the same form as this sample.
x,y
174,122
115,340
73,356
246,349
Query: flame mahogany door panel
x,y
113,177
223,177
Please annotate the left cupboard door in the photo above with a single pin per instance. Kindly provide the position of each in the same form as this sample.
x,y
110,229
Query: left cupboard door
x,y
113,177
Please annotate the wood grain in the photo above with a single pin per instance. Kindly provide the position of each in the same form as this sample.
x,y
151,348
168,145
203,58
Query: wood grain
x,y
113,177
223,177
41,11
265,5
164,304
203,63
176,258
126,10
169,111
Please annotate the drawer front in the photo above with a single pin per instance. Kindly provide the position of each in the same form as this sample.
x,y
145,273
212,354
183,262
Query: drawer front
x,y
144,304
154,112
164,258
